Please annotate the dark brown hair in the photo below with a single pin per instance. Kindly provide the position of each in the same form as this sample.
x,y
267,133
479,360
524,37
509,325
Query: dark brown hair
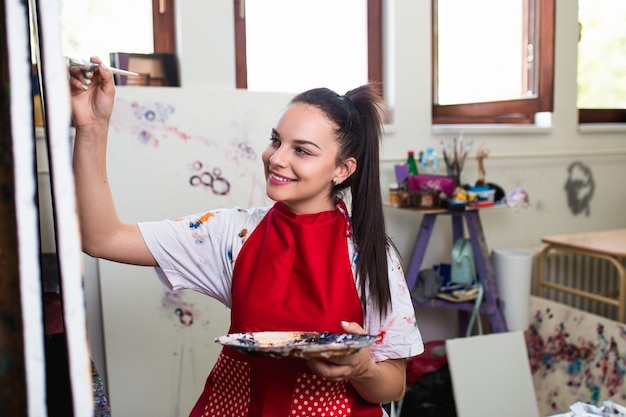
x,y
358,119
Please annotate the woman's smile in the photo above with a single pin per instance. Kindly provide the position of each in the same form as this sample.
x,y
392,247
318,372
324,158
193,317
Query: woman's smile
x,y
279,179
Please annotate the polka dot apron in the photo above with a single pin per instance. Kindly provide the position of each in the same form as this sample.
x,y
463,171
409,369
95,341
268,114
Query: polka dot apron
x,y
293,273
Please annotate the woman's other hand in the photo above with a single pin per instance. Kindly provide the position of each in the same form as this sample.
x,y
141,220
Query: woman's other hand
x,y
376,382
338,368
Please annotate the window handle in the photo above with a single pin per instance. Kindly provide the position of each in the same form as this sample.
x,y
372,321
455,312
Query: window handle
x,y
530,53
242,9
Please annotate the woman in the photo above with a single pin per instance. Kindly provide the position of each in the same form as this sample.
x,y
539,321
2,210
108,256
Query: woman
x,y
292,266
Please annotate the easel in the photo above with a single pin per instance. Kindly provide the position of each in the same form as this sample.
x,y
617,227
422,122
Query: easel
x,y
20,245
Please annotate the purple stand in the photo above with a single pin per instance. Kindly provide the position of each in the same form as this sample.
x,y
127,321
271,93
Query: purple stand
x,y
402,172
491,303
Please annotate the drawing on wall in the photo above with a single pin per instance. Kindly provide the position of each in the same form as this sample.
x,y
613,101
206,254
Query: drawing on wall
x,y
211,179
176,306
150,121
579,188
183,314
574,356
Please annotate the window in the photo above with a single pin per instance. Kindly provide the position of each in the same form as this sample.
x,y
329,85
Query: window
x,y
290,46
492,70
87,27
601,65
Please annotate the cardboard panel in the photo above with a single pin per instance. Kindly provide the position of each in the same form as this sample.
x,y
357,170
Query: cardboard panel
x,y
491,376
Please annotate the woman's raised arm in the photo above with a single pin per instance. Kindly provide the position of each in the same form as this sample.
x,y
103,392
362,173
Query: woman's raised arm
x,y
103,234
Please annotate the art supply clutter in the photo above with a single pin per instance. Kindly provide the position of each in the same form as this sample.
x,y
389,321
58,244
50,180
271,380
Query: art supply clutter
x,y
455,156
420,184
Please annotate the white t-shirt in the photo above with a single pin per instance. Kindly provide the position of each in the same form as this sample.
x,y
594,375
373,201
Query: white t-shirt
x,y
199,251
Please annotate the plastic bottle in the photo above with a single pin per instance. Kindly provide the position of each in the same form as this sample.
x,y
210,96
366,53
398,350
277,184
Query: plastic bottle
x,y
412,163
430,163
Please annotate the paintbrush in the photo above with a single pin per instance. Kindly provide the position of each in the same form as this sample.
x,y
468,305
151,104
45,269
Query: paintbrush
x,y
466,151
445,154
92,66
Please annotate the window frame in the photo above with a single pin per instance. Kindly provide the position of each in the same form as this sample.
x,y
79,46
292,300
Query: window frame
x,y
589,116
519,111
604,115
374,42
163,28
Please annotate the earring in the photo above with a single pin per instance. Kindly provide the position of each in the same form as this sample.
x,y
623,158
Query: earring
x,y
336,181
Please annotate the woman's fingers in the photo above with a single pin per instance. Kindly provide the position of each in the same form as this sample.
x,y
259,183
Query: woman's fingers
x,y
352,327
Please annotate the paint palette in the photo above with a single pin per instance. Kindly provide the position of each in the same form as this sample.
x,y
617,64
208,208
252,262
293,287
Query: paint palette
x,y
297,344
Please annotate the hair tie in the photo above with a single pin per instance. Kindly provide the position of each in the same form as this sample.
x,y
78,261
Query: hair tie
x,y
350,105
346,100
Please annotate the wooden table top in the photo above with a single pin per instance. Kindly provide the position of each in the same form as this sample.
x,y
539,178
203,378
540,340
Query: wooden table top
x,y
607,242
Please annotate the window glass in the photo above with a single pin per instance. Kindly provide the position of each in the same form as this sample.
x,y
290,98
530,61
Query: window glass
x,y
493,61
481,51
294,45
95,27
601,54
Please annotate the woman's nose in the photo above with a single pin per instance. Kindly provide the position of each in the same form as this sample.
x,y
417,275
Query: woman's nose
x,y
276,156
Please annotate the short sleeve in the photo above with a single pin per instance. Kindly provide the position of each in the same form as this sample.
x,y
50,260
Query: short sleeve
x,y
198,252
400,335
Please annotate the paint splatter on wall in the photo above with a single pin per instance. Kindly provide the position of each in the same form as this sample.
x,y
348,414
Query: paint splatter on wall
x,y
174,304
211,179
575,356
579,188
151,122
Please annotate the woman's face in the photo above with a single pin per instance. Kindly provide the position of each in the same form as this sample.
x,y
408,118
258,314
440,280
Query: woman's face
x,y
301,160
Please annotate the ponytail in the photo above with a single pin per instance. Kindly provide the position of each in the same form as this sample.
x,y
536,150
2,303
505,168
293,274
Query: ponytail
x,y
358,117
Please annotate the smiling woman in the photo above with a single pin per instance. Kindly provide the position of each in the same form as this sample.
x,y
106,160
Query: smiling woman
x,y
266,264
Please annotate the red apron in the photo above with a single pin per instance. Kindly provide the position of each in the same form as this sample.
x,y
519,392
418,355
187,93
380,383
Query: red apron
x,y
292,274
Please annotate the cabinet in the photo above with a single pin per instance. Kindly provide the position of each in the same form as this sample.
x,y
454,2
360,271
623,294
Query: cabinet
x,y
491,305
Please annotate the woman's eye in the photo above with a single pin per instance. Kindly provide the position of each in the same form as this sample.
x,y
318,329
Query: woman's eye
x,y
273,140
302,151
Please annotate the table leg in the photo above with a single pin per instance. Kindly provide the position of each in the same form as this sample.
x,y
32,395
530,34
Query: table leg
x,y
421,243
457,226
485,269
541,274
622,290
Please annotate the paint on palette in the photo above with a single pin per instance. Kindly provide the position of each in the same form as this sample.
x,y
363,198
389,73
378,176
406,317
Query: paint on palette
x,y
575,356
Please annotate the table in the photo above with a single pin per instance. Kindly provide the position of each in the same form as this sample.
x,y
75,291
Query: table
x,y
491,305
604,244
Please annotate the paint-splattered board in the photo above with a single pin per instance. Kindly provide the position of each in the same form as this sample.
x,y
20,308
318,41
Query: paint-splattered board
x,y
172,152
52,75
21,330
55,94
575,356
